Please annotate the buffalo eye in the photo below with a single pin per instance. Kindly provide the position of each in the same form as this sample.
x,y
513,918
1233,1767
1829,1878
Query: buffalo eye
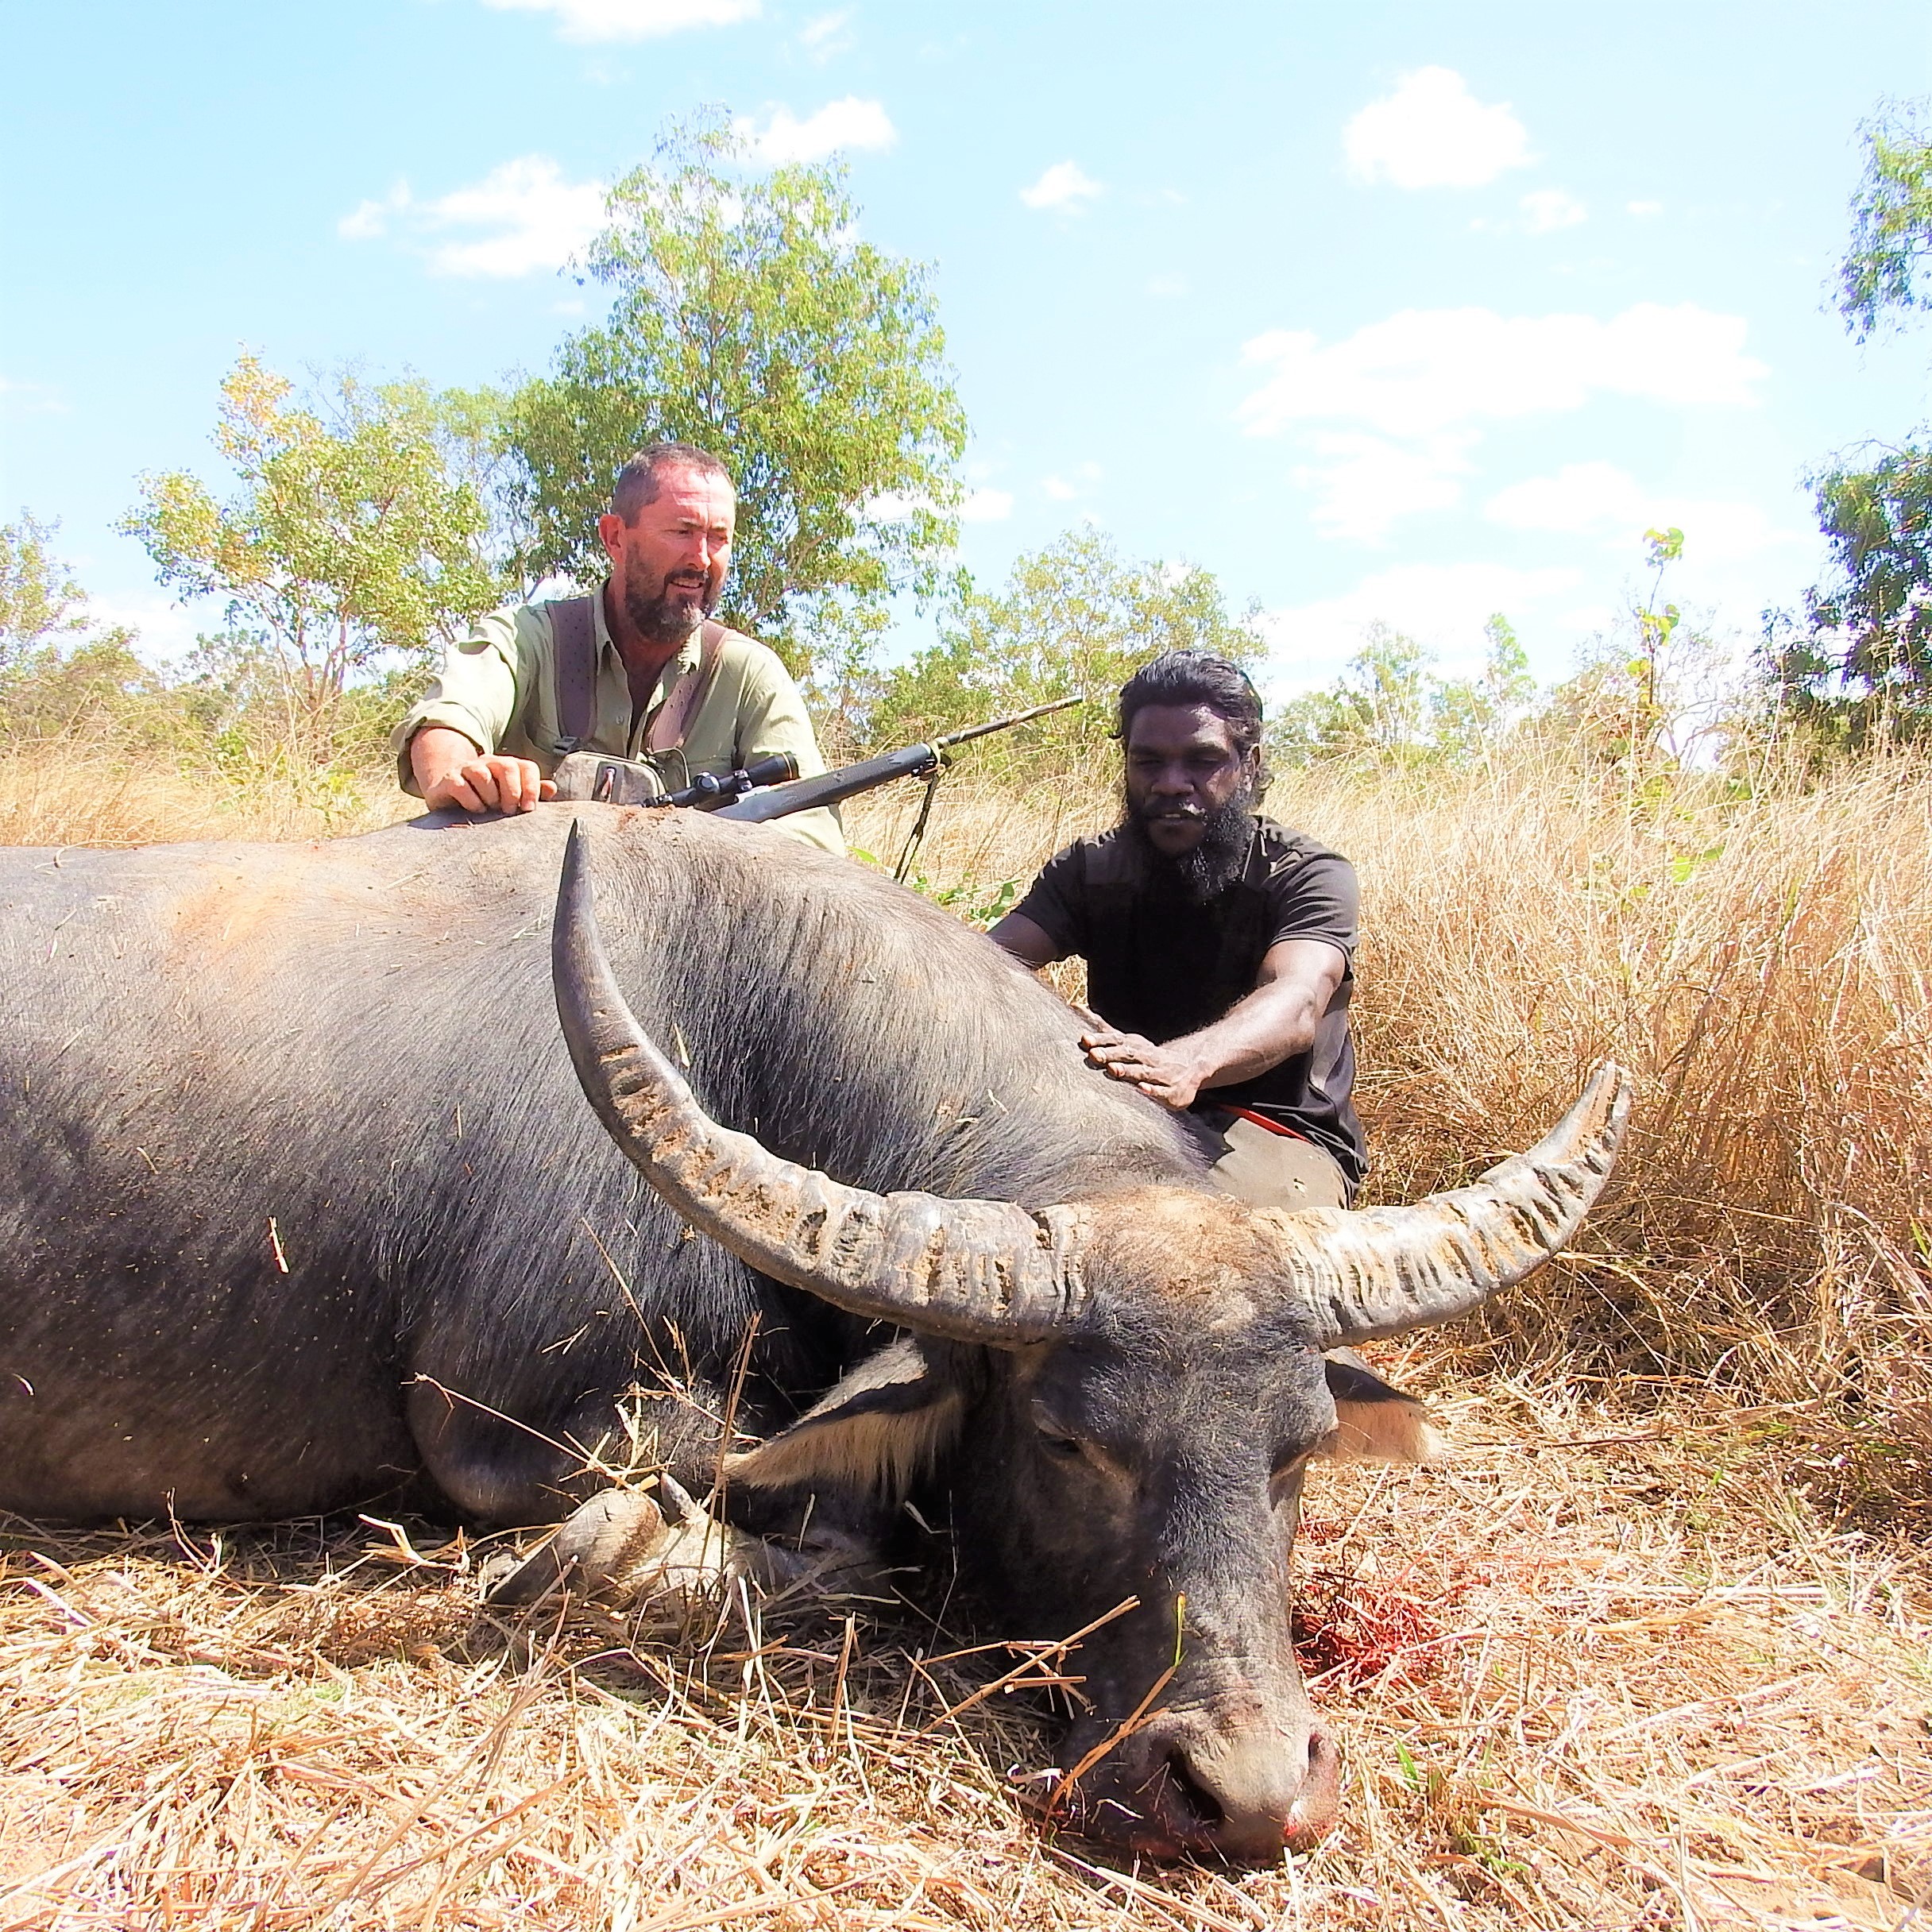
x,y
1055,1438
1285,1471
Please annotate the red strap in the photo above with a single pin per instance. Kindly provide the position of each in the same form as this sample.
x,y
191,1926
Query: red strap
x,y
1262,1120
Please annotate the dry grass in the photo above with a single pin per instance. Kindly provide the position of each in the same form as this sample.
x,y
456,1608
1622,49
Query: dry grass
x,y
1583,1679
1653,1652
1762,964
86,791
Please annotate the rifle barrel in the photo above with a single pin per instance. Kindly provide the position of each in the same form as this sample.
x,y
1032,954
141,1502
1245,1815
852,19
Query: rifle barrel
x,y
1019,717
759,808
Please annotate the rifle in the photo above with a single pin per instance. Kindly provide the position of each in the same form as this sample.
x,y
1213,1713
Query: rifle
x,y
909,761
772,788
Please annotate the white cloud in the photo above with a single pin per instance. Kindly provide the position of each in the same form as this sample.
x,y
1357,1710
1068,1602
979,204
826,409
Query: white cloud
x,y
783,138
1428,369
986,506
1598,498
1443,606
632,20
1548,209
1720,532
1066,186
165,629
979,506
371,219
31,399
1581,496
1541,212
1168,287
1062,489
1366,483
1406,396
1432,133
534,219
1642,208
1587,620
826,37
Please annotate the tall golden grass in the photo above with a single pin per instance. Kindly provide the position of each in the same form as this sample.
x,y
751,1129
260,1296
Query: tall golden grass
x,y
88,793
1653,1652
1759,954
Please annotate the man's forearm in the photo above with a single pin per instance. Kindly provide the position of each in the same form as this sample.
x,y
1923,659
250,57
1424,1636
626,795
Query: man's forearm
x,y
437,750
1254,1036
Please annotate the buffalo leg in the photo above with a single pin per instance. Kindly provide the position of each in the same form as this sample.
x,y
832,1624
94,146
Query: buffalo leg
x,y
500,1469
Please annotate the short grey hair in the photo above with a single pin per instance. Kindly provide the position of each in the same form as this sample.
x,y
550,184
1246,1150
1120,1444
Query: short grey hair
x,y
637,482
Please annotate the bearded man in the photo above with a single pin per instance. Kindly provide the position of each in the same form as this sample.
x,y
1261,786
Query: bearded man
x,y
1218,945
637,670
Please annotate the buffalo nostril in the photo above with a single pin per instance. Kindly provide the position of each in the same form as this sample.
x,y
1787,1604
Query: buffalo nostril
x,y
1201,1802
1315,1807
1257,1790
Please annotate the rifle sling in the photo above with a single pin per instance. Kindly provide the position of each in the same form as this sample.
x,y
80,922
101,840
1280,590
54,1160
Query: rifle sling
x,y
670,724
573,637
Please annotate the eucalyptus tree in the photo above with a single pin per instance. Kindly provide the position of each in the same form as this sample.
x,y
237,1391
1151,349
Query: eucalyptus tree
x,y
749,315
354,538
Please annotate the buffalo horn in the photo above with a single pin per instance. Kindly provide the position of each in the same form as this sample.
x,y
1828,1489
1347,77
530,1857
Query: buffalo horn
x,y
973,1271
1385,1270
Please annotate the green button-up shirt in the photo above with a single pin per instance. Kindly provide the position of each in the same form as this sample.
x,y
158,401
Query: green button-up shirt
x,y
498,687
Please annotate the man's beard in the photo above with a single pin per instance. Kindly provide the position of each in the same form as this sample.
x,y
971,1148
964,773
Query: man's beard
x,y
666,618
1215,863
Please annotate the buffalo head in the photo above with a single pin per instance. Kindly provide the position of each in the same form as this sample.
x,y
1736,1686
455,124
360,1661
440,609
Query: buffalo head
x,y
1125,1391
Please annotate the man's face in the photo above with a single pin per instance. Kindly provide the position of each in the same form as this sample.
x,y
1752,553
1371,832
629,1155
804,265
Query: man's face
x,y
1182,767
670,564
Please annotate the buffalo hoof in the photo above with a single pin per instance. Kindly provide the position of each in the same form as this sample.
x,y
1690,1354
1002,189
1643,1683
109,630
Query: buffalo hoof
x,y
825,1563
630,1547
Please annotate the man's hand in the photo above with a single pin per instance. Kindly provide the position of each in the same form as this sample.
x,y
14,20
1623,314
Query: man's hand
x,y
451,770
1172,1078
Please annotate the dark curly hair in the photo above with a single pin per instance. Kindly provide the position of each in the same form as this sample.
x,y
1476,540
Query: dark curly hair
x,y
1194,677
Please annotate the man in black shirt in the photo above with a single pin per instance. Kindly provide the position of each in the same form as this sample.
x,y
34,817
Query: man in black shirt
x,y
1218,945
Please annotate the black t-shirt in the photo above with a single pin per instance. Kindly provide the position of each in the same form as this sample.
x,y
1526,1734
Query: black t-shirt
x,y
1160,965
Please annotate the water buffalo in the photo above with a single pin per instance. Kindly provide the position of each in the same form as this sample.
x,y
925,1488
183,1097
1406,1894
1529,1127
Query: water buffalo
x,y
301,1211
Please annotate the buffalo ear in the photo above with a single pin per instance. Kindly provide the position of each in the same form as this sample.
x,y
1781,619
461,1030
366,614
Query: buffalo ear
x,y
878,1430
1375,1422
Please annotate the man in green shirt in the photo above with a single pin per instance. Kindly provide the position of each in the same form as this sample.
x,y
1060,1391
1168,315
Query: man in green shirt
x,y
664,681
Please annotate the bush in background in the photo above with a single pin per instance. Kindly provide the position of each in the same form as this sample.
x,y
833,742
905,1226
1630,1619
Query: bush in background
x,y
1073,617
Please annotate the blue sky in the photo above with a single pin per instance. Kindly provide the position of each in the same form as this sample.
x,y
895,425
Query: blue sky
x,y
1410,312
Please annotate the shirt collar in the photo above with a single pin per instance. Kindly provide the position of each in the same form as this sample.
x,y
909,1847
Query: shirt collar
x,y
688,653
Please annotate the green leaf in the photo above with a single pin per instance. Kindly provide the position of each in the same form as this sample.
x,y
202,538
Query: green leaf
x,y
1684,865
1663,546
